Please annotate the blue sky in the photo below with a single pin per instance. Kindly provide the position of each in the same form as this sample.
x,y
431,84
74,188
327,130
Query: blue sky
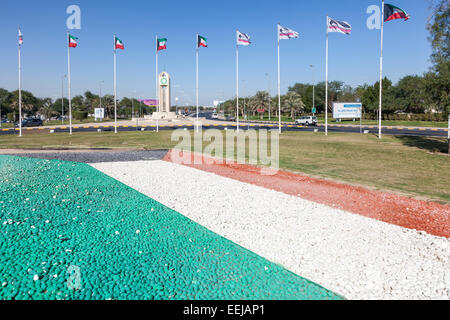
x,y
353,59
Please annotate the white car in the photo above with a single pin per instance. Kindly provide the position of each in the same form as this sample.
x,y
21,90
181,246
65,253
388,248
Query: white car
x,y
308,121
215,116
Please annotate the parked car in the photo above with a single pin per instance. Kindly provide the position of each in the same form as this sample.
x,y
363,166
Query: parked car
x,y
31,122
215,116
308,121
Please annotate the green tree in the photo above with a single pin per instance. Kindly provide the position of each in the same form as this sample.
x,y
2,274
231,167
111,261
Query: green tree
x,y
292,103
46,108
410,93
438,79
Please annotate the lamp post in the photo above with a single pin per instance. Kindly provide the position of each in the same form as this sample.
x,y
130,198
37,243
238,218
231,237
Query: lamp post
x,y
314,87
100,96
268,91
62,98
1,113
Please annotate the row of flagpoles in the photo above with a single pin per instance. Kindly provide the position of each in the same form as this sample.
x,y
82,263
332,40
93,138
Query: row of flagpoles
x,y
389,12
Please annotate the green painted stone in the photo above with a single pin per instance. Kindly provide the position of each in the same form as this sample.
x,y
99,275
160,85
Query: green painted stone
x,y
76,211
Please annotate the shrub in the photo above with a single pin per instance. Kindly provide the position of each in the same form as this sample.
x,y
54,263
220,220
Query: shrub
x,y
11,117
80,115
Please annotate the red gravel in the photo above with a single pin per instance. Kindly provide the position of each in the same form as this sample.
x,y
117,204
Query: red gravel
x,y
430,217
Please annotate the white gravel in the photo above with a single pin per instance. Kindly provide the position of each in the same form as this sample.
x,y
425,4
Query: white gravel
x,y
354,256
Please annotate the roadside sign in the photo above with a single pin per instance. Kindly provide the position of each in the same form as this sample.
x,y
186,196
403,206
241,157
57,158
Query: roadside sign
x,y
99,113
347,110
313,110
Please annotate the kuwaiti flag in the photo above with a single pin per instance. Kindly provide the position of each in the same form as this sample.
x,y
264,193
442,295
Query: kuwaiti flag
x,y
339,26
201,42
161,44
73,41
286,33
392,13
242,38
20,38
118,44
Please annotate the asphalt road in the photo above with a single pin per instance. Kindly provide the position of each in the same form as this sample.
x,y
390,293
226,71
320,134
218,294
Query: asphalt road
x,y
403,131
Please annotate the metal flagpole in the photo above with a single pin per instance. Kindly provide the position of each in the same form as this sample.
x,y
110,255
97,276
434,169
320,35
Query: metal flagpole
x,y
196,78
20,92
62,99
381,71
115,86
237,87
326,86
156,68
157,91
279,80
69,83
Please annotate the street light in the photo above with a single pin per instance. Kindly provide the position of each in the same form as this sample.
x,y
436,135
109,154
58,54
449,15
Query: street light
x,y
62,98
1,112
268,91
314,85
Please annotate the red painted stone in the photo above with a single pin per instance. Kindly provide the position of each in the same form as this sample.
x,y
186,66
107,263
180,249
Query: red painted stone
x,y
431,217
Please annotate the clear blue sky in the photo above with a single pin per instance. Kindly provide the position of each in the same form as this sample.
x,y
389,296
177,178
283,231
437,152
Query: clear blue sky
x,y
353,59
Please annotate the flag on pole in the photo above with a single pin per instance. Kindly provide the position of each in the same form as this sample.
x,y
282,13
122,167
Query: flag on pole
x,y
286,33
392,13
161,44
118,44
73,41
201,42
20,38
339,26
242,38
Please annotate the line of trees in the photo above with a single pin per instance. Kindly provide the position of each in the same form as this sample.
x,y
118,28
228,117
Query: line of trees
x,y
81,104
411,96
423,97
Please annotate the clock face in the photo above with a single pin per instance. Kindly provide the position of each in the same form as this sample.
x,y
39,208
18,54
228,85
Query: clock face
x,y
163,81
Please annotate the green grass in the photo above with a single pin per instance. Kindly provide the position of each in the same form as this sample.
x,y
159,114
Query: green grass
x,y
388,123
415,166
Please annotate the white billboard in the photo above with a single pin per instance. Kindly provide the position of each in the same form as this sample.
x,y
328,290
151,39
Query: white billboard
x,y
347,110
99,113
217,103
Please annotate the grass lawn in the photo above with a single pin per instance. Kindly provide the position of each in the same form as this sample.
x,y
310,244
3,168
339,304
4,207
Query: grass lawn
x,y
411,165
364,122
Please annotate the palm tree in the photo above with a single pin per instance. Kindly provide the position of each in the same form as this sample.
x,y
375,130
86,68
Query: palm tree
x,y
46,108
108,104
261,101
293,103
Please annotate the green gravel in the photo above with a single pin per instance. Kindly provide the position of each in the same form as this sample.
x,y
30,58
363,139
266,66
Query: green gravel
x,y
58,215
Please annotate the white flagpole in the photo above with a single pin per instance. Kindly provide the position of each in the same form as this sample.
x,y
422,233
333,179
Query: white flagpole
x,y
157,86
196,77
237,87
69,83
279,80
20,92
381,71
156,68
326,86
115,86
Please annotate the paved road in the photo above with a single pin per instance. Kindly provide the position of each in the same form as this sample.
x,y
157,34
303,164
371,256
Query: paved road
x,y
404,131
